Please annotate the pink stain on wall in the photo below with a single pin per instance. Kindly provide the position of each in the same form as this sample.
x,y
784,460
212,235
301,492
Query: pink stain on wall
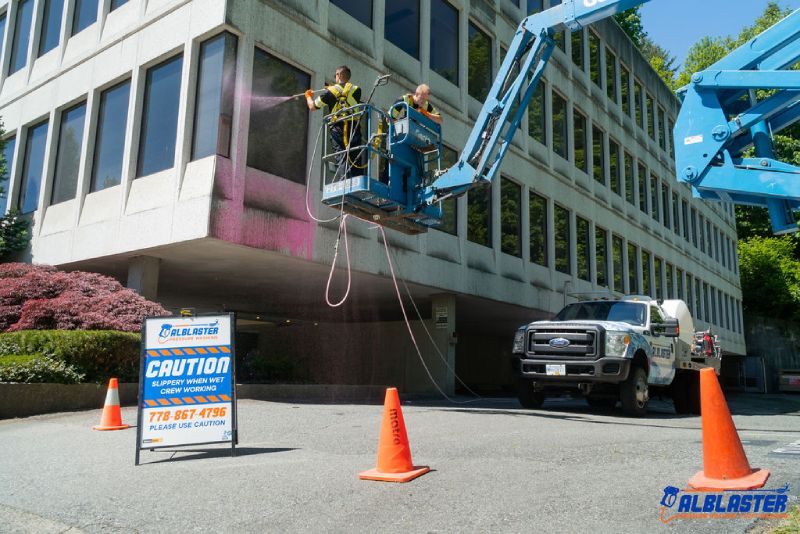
x,y
262,211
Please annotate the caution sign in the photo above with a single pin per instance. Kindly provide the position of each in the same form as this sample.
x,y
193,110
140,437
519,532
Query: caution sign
x,y
186,382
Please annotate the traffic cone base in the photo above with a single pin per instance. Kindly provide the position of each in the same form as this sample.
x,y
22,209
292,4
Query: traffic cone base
x,y
754,480
112,416
374,474
394,453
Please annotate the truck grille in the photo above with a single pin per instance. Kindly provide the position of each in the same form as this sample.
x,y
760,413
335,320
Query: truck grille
x,y
582,343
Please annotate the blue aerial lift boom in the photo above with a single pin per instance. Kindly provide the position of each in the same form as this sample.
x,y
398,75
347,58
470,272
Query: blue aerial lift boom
x,y
719,120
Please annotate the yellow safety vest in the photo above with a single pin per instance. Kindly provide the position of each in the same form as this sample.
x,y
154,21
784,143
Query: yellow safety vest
x,y
409,99
344,97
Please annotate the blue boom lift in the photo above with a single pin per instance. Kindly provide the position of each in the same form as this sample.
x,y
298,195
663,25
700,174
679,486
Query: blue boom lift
x,y
396,179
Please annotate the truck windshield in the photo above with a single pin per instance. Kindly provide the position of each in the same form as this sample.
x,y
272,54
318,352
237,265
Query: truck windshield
x,y
625,312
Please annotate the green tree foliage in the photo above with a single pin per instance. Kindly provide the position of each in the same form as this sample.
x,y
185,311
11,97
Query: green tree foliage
x,y
770,275
631,23
14,234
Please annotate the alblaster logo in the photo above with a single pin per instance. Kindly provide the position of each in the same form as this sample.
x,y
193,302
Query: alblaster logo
x,y
169,331
728,504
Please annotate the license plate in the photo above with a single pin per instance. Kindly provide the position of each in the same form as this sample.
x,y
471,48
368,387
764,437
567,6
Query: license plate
x,y
556,370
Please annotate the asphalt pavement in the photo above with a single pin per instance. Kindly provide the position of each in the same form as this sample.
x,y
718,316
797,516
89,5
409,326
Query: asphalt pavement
x,y
494,468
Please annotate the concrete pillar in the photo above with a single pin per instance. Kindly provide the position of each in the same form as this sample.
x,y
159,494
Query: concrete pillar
x,y
442,362
143,276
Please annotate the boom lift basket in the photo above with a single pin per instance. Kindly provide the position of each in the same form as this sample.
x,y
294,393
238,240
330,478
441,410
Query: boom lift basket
x,y
382,178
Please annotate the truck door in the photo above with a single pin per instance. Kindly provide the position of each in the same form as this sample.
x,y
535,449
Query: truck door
x,y
662,368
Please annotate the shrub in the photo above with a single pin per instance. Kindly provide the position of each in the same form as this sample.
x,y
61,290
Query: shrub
x,y
97,354
34,297
37,369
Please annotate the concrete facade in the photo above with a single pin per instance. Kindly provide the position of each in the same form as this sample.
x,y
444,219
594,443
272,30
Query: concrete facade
x,y
215,234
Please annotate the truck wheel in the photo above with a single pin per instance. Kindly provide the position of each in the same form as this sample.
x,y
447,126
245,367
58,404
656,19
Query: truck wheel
x,y
634,393
606,403
527,397
680,393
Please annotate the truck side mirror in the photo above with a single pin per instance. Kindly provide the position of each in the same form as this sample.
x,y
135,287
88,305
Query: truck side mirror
x,y
670,327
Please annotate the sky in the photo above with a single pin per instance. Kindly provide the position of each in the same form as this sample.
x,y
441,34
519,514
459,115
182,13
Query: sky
x,y
678,24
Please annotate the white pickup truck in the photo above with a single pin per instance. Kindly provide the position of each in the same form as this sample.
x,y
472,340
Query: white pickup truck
x,y
613,350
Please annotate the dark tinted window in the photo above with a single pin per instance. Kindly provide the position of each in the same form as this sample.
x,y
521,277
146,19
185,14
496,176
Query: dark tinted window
x,y
537,120
562,239
84,15
534,6
214,101
646,286
633,273
598,155
5,177
162,94
112,120
68,158
22,36
629,179
579,140
480,63
444,40
601,256
594,59
611,75
278,135
613,166
117,3
559,116
538,229
616,261
479,215
32,168
624,312
401,25
510,217
577,49
361,10
449,206
3,20
625,92
51,25
584,246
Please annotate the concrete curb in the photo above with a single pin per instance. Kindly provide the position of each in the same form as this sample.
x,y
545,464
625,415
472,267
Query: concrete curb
x,y
23,400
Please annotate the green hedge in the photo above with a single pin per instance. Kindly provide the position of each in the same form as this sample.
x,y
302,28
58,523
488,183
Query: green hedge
x,y
38,368
96,354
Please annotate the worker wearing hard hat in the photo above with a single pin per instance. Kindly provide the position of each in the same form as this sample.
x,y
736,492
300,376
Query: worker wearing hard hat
x,y
345,128
419,101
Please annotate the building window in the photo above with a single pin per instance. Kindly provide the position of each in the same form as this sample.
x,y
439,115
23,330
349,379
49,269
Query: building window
x,y
213,112
651,116
601,256
444,40
680,284
694,227
534,6
642,188
278,135
3,21
583,249
479,215
510,217
654,196
5,179
707,303
665,204
117,3
646,285
537,120
668,136
709,245
698,300
685,214
637,103
613,166
22,36
624,89
562,239
611,75
676,226
616,260
450,206
361,10
662,129
577,49
32,167
598,155
690,296
480,63
538,228
659,287
579,140
594,59
162,94
560,133
85,14
401,25
68,158
112,120
629,179
633,273
51,25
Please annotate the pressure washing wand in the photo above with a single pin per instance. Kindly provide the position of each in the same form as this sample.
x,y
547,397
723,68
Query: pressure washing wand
x,y
304,93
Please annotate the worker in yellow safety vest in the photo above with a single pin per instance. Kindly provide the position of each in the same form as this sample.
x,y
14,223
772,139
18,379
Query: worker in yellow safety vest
x,y
345,130
419,101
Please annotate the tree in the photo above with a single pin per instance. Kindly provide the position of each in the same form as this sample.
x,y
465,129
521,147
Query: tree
x,y
770,275
37,297
631,23
14,234
661,61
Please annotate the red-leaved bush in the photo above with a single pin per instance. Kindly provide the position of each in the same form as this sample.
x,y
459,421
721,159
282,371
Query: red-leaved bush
x,y
37,297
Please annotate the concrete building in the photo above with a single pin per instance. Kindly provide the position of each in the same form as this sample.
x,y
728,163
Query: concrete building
x,y
144,140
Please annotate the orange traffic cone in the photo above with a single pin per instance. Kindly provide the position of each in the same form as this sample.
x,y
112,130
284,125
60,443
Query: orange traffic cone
x,y
725,466
394,454
112,417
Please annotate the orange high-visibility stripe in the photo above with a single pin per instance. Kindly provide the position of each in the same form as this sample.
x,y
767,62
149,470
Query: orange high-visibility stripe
x,y
225,349
175,400
163,402
189,351
213,349
200,399
201,350
177,352
213,398
164,352
151,402
225,397
152,353
188,400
